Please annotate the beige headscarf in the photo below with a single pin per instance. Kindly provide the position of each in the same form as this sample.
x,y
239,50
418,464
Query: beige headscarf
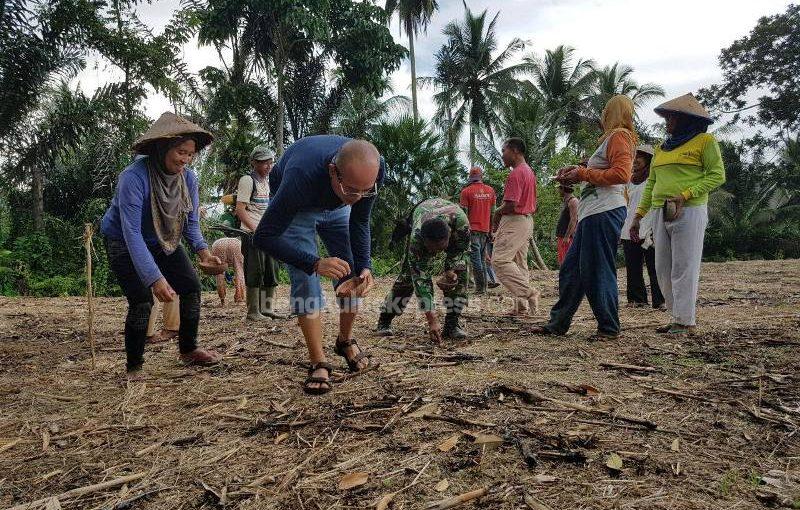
x,y
618,118
170,201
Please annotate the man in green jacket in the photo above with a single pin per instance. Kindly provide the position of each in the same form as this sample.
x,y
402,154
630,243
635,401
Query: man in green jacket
x,y
437,225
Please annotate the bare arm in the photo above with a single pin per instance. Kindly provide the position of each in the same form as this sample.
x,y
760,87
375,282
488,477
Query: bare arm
x,y
573,216
507,208
241,213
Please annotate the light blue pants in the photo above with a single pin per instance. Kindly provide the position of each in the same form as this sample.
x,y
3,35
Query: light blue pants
x,y
333,228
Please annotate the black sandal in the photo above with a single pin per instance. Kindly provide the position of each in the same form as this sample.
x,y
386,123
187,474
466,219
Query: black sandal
x,y
352,363
311,379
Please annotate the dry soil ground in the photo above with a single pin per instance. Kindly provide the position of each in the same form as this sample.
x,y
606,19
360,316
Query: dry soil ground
x,y
706,421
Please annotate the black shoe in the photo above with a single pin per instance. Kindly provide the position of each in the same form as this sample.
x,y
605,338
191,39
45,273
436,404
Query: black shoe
x,y
492,285
385,325
452,329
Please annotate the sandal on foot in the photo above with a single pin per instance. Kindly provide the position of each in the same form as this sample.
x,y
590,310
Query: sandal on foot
x,y
201,357
324,382
664,329
340,348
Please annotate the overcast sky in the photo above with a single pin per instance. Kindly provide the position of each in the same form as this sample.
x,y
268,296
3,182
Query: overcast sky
x,y
671,43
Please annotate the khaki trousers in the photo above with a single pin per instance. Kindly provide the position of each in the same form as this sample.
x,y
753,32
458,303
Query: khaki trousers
x,y
170,316
510,257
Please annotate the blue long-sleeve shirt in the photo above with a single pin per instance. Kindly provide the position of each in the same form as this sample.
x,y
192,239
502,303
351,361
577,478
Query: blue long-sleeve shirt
x,y
300,181
130,219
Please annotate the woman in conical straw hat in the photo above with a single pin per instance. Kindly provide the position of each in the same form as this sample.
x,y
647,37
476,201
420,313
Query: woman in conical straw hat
x,y
156,203
684,169
589,267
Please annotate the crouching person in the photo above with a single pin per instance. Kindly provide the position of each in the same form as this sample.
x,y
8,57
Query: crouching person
x,y
436,226
155,205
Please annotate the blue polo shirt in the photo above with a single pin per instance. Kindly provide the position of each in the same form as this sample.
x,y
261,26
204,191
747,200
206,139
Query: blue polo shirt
x,y
301,182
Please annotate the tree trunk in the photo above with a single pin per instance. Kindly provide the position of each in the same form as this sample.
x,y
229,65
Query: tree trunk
x,y
413,60
37,188
472,143
537,257
279,117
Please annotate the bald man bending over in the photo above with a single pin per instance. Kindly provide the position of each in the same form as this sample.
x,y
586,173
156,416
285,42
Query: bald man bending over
x,y
324,185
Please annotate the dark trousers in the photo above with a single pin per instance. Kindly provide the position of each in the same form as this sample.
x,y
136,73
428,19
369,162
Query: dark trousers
x,y
260,270
179,273
635,260
589,270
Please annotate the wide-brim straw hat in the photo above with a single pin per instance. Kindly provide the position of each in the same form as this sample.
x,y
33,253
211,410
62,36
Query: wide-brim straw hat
x,y
687,105
170,126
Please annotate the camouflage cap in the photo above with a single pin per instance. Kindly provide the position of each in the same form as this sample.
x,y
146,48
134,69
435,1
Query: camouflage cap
x,y
262,153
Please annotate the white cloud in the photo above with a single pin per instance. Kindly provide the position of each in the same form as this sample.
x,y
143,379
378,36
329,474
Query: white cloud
x,y
674,44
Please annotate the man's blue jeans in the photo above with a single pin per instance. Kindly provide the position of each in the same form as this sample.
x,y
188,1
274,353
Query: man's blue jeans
x,y
333,228
590,269
477,256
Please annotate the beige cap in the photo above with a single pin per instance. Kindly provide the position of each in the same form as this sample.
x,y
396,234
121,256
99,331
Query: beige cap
x,y
261,153
686,104
169,126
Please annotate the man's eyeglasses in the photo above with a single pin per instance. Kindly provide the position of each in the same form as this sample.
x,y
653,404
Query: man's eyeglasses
x,y
352,192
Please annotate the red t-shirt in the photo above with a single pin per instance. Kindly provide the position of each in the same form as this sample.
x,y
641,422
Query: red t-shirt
x,y
521,188
479,199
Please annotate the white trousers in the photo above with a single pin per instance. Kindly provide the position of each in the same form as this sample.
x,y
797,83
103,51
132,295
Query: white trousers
x,y
679,250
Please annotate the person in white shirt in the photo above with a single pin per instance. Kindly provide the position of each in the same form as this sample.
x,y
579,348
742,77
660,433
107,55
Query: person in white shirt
x,y
260,270
639,254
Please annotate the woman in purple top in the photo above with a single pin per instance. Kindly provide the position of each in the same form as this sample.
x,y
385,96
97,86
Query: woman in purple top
x,y
155,205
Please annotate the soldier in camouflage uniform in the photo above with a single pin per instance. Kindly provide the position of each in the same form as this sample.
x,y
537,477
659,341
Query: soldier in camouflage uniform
x,y
436,225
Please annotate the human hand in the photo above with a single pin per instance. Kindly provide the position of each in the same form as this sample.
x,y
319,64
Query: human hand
x,y
332,267
434,328
569,175
163,291
448,280
634,230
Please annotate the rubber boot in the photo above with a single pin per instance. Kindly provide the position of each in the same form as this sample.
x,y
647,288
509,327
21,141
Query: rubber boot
x,y
253,313
452,329
267,302
385,324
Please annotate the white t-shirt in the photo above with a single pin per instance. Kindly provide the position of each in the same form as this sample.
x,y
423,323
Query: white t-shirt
x,y
598,199
634,193
258,205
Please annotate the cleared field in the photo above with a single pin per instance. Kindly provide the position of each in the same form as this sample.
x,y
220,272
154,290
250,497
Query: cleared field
x,y
645,422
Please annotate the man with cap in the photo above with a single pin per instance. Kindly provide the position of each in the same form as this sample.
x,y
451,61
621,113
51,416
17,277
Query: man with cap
x,y
324,185
685,168
478,200
437,225
260,270
641,253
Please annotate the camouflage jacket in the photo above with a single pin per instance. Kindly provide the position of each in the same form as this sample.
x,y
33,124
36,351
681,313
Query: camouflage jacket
x,y
420,262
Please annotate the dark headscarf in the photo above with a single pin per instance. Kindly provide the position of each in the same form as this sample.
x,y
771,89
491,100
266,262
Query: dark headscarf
x,y
688,127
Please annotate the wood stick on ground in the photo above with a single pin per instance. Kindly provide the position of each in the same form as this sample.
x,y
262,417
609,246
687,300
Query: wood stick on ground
x,y
351,375
464,422
11,444
81,491
625,366
680,394
534,396
456,501
277,344
87,242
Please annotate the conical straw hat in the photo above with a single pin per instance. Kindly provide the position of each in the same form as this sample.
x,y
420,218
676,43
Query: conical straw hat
x,y
686,104
169,126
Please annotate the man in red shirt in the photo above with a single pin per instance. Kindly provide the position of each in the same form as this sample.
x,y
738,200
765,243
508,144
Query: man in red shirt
x,y
478,200
513,223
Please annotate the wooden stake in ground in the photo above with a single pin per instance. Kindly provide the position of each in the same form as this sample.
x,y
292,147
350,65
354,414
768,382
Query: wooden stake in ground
x,y
80,491
457,501
87,243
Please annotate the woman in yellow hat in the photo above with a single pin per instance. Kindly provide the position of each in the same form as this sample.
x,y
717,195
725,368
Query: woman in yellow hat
x,y
684,169
156,203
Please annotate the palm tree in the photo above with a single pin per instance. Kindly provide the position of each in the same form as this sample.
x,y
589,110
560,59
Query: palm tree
x,y
415,15
563,84
361,111
444,81
616,79
483,83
